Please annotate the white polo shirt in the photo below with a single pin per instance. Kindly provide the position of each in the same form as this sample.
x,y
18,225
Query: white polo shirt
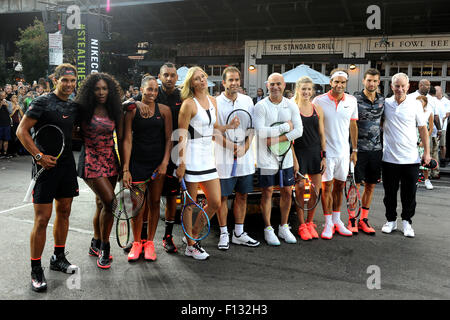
x,y
400,130
337,117
224,157
267,113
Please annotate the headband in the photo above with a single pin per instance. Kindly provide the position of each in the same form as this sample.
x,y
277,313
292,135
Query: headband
x,y
339,74
67,72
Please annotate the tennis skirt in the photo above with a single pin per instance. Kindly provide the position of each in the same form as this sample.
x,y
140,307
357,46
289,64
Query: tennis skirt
x,y
308,159
200,162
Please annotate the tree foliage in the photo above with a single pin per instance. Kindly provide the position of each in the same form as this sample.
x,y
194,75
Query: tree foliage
x,y
33,51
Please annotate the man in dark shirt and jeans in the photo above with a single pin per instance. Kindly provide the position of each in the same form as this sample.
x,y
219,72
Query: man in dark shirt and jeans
x,y
370,148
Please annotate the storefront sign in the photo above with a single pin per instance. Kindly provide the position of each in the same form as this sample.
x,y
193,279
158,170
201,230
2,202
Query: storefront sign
x,y
413,44
303,46
55,48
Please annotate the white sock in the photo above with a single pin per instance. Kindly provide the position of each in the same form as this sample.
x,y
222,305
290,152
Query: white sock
x,y
238,229
328,219
336,216
224,229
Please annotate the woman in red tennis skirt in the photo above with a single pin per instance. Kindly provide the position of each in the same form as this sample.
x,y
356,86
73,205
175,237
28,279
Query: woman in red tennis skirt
x,y
101,116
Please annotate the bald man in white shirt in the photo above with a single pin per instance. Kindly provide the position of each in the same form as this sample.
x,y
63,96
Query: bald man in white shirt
x,y
276,108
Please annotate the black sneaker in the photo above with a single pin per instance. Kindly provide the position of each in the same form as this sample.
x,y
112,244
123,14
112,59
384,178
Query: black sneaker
x,y
168,244
38,281
104,261
93,249
60,263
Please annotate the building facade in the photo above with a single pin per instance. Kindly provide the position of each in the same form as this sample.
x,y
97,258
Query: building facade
x,y
419,56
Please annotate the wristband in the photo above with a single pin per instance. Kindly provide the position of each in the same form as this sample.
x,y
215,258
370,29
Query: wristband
x,y
323,154
354,150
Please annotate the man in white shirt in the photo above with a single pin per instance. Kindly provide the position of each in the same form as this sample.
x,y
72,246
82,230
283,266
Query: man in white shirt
x,y
400,166
225,150
340,112
276,108
444,113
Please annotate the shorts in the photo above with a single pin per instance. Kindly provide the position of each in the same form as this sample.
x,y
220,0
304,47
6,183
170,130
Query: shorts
x,y
171,186
243,184
56,183
368,167
274,180
337,168
5,133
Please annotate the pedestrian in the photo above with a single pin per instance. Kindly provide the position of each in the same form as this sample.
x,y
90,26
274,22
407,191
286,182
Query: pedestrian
x,y
59,182
370,148
5,124
146,151
242,182
198,113
400,165
310,151
272,109
101,115
340,112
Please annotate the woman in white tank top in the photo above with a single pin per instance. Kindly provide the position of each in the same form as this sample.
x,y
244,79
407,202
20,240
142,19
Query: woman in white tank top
x,y
196,162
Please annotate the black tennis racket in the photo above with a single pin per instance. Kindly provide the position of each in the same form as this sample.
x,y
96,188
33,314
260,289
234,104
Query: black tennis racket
x,y
194,220
49,139
122,224
280,150
240,133
352,194
306,194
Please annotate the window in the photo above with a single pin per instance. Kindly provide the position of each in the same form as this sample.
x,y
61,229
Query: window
x,y
416,69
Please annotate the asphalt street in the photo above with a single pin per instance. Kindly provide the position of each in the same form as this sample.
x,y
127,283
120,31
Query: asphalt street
x,y
357,268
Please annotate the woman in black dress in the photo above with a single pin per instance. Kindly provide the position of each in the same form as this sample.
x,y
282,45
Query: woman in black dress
x,y
147,146
309,155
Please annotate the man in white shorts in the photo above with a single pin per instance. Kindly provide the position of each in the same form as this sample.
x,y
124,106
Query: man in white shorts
x,y
276,108
400,166
242,182
340,112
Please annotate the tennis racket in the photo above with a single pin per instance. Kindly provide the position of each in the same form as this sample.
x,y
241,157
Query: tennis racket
x,y
239,134
280,150
352,194
49,139
194,220
122,220
306,194
130,200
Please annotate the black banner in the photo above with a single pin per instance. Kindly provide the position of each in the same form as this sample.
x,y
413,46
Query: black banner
x,y
88,46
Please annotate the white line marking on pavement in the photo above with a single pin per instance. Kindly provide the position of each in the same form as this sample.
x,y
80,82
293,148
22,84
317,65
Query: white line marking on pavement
x,y
19,207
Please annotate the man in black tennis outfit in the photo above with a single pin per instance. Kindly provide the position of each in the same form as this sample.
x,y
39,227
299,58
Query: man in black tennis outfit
x,y
169,95
59,181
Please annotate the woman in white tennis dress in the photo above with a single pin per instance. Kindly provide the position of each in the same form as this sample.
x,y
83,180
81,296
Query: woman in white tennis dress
x,y
196,161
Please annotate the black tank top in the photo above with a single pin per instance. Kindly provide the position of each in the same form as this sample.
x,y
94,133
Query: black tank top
x,y
148,138
310,137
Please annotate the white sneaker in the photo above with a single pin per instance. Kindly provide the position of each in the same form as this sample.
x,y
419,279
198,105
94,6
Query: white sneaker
x,y
428,184
270,237
224,241
341,229
196,251
244,239
328,231
285,233
389,226
408,231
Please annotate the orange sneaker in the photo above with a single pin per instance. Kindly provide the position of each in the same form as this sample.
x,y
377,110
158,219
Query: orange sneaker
x,y
149,251
312,230
352,225
363,225
303,232
135,252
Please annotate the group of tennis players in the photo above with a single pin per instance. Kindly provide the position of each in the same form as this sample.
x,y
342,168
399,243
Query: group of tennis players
x,y
169,133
